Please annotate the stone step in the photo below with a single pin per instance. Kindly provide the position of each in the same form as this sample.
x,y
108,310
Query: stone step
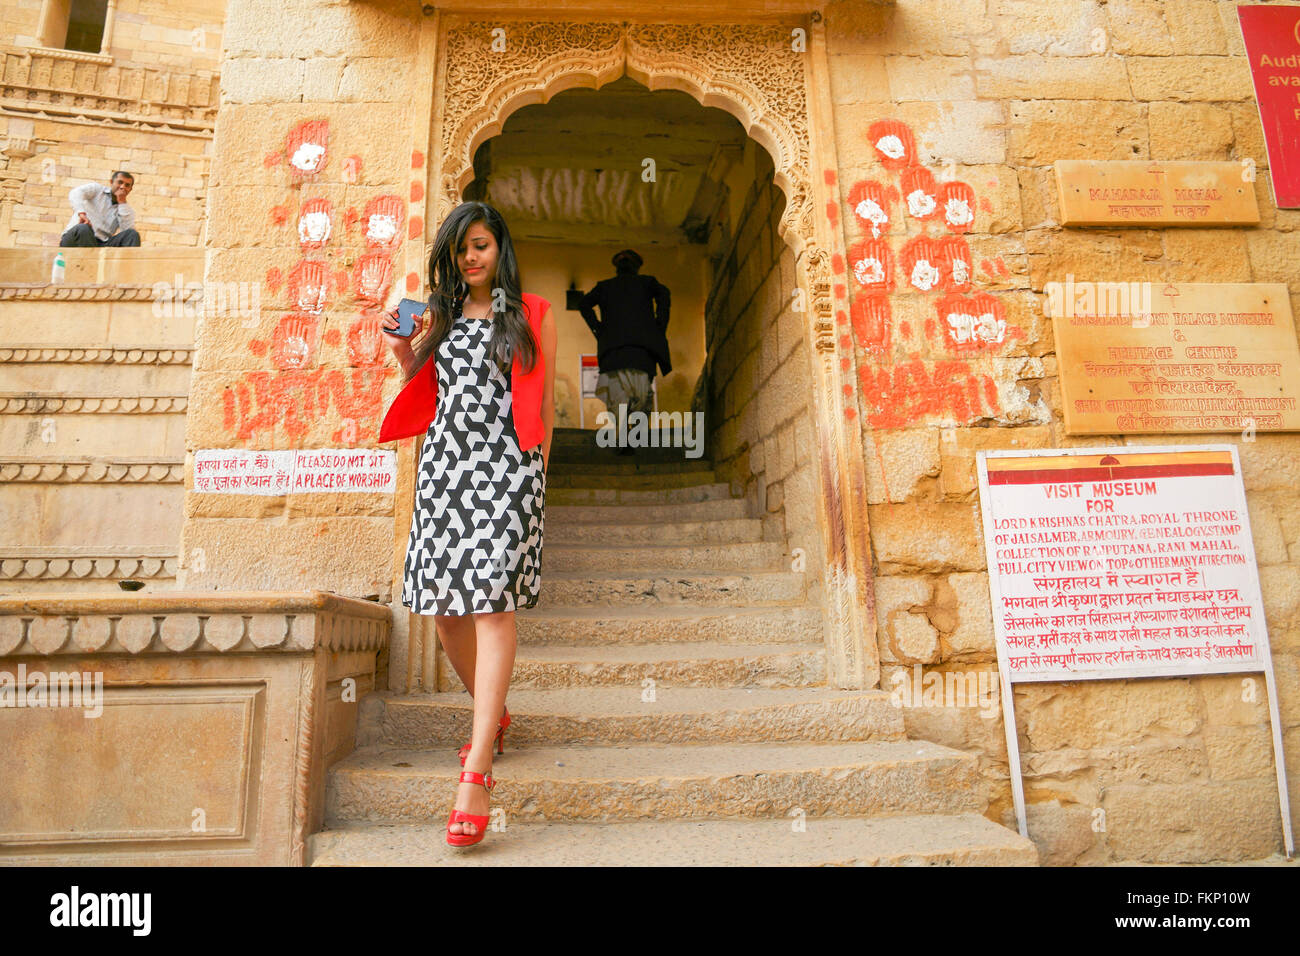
x,y
741,555
114,515
32,370
630,467
684,664
36,424
99,273
666,452
618,715
708,510
674,780
655,588
570,435
964,839
629,482
597,626
685,533
718,491
94,319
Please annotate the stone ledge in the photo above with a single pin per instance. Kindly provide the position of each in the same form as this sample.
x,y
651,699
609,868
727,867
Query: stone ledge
x,y
106,355
92,470
246,737
182,622
26,564
33,403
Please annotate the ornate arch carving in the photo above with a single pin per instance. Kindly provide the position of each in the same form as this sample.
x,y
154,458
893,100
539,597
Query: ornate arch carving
x,y
750,70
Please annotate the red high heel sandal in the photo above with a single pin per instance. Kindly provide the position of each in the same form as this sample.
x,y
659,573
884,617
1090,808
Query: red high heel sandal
x,y
460,816
499,739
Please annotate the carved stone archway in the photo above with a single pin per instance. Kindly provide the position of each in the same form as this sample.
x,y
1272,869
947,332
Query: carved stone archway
x,y
779,92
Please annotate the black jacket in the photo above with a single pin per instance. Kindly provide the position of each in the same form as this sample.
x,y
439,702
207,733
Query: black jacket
x,y
628,317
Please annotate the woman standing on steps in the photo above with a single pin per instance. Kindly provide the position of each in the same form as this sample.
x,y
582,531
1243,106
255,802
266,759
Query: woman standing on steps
x,y
480,385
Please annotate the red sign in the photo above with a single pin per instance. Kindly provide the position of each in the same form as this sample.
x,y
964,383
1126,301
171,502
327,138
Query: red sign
x,y
1272,37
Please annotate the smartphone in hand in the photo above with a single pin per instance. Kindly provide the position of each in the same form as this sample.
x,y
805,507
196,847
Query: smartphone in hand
x,y
407,310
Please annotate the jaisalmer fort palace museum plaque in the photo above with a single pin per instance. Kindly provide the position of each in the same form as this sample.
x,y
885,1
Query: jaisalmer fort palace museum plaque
x,y
1150,357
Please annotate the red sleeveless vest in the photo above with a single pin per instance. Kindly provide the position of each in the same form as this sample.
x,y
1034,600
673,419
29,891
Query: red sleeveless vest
x,y
415,406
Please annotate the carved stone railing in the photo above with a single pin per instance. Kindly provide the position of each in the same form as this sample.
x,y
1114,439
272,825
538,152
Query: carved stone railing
x,y
59,292
33,81
49,403
46,471
105,355
216,718
85,563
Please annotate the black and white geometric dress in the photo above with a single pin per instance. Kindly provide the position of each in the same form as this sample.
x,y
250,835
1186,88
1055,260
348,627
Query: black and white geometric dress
x,y
476,533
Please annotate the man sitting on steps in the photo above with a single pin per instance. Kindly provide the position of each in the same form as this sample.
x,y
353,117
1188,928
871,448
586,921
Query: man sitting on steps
x,y
101,216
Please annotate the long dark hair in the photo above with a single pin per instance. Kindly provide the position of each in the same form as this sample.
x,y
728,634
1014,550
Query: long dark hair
x,y
448,289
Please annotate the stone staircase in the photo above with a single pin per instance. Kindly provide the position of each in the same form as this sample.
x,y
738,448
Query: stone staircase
x,y
94,387
670,707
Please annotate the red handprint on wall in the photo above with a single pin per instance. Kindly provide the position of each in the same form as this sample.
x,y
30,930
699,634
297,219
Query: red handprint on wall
x,y
372,276
365,340
309,283
306,148
314,223
899,386
384,217
295,340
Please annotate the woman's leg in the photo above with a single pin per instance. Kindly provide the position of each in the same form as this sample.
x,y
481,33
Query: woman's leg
x,y
494,665
456,633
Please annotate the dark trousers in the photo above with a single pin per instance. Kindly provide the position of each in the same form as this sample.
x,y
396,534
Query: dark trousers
x,y
83,235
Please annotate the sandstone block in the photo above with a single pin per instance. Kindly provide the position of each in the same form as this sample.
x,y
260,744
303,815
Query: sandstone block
x,y
1095,713
926,536
897,462
1032,76
1188,131
1193,822
1184,78
1045,130
1063,834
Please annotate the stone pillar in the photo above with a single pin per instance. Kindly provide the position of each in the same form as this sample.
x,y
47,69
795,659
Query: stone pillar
x,y
53,31
17,148
315,219
109,17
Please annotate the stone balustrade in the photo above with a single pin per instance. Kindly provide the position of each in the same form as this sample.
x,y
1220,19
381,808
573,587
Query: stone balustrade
x,y
215,718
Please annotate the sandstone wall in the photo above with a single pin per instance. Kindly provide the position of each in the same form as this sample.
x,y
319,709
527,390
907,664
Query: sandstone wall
x,y
993,93
149,107
760,403
340,92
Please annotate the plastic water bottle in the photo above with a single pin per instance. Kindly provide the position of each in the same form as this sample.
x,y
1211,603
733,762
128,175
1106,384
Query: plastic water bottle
x,y
60,269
